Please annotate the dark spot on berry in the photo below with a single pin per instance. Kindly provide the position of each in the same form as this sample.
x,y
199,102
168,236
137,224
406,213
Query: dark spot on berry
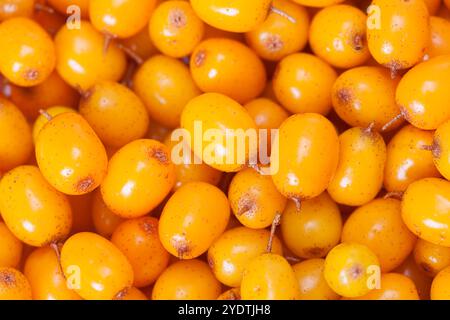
x,y
177,18
121,294
84,185
159,154
199,58
31,74
246,205
273,43
315,252
355,271
7,278
436,148
344,95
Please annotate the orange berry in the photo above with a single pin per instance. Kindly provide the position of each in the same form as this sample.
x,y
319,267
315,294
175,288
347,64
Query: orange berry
x,y
140,176
187,280
132,294
33,210
16,8
105,221
13,285
229,67
441,149
440,37
10,248
41,121
440,288
303,83
431,258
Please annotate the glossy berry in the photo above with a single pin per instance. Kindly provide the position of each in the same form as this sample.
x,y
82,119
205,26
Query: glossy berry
x,y
440,286
13,285
140,175
16,8
10,248
431,258
105,221
33,210
41,121
441,149
70,154
28,57
102,269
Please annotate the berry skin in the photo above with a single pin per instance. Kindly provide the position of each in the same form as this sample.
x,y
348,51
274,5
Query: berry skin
x,y
309,274
234,16
254,199
121,19
302,83
13,285
410,269
13,152
280,34
138,239
105,221
392,242
165,85
103,270
46,278
366,95
269,277
33,210
441,149
440,288
440,37
347,269
400,37
16,8
314,230
132,294
421,91
41,121
70,155
140,176
229,67
28,56
425,210
235,249
224,117
338,36
431,258
84,68
115,113
190,240
318,3
10,248
187,280
175,29
359,175
407,160
305,158
231,294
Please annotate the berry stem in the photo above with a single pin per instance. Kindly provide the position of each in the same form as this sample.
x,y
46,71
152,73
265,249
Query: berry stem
x,y
275,223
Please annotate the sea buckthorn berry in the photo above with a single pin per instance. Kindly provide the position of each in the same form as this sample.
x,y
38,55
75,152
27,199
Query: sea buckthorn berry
x,y
392,242
132,294
440,37
62,6
140,44
102,269
284,32
175,29
84,68
138,239
309,274
318,3
422,282
407,161
227,119
41,121
235,249
431,258
393,286
16,8
105,221
70,155
338,36
269,277
433,6
229,67
359,175
28,55
115,113
441,149
235,16
32,209
140,176
54,91
165,85
400,34
231,294
187,280
188,170
425,210
313,230
302,83
348,269
254,199
207,219
421,91
16,144
366,95
13,285
306,156
10,248
440,288
121,19
46,278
